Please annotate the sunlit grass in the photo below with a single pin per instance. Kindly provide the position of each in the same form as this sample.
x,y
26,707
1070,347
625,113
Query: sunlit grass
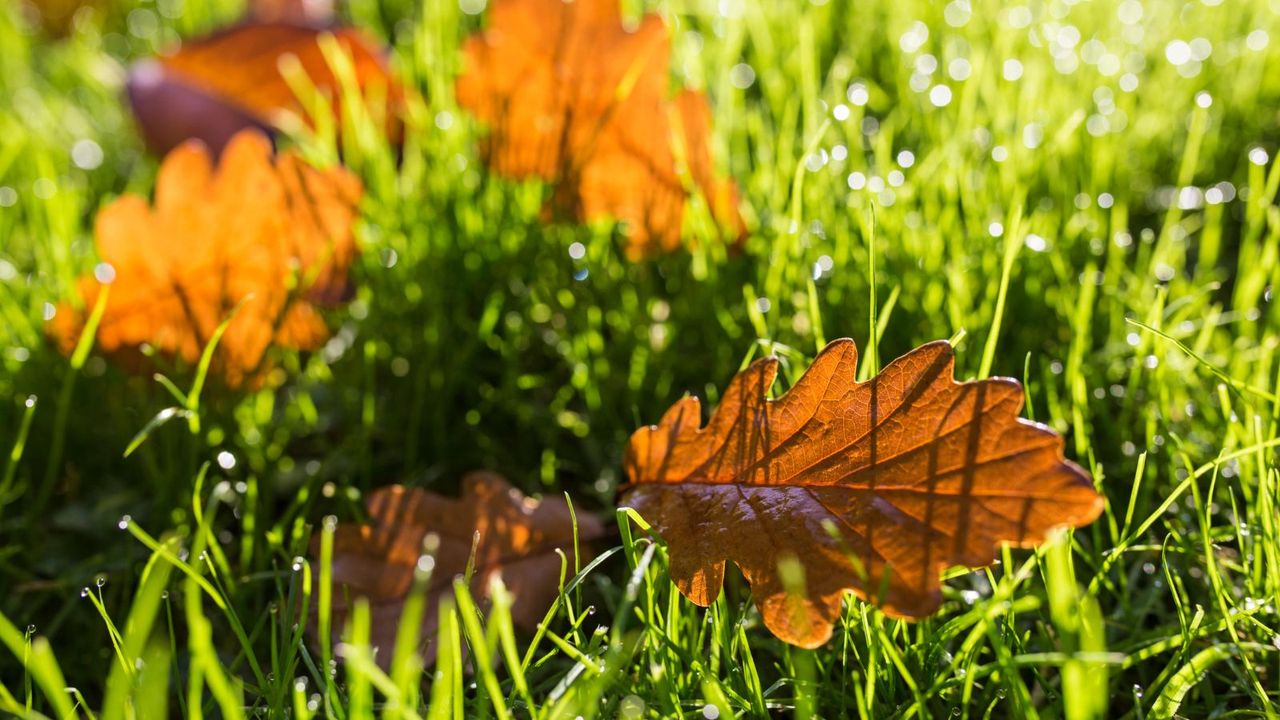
x,y
1087,206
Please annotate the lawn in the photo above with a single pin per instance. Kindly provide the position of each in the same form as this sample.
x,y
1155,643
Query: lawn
x,y
1078,195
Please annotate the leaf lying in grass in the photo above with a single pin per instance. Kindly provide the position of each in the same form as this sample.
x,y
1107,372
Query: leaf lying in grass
x,y
573,97
56,17
271,229
211,88
316,13
518,539
914,471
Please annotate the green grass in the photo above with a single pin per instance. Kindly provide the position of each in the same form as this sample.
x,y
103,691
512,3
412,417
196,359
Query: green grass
x,y
1038,220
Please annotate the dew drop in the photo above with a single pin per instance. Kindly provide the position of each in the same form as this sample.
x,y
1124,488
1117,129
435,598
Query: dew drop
x,y
631,707
86,154
226,460
104,273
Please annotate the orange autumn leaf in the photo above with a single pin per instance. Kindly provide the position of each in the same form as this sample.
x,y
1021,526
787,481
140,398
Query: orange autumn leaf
x,y
572,96
914,471
269,234
517,540
211,88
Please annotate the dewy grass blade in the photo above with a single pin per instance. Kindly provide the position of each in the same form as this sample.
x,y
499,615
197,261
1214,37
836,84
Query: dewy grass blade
x,y
15,453
42,665
1012,244
478,641
1217,372
138,631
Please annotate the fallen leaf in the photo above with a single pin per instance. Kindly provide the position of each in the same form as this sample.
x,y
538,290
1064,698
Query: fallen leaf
x,y
518,540
266,233
315,13
572,96
56,17
211,88
914,471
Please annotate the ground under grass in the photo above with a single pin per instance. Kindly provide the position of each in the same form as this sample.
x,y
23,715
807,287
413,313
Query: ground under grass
x,y
1080,195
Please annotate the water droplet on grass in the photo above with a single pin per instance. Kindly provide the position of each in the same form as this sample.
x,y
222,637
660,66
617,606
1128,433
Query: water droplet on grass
x,y
858,94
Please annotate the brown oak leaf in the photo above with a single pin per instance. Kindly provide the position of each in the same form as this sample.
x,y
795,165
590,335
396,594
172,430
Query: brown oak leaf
x,y
572,96
914,471
212,88
269,234
518,540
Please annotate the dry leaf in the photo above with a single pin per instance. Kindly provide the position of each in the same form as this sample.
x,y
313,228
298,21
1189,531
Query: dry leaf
x,y
209,89
270,229
915,472
57,18
518,540
572,96
315,13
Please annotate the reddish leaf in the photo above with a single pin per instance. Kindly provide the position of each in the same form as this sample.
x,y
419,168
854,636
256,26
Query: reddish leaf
x,y
518,540
316,13
211,88
915,471
572,96
269,231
